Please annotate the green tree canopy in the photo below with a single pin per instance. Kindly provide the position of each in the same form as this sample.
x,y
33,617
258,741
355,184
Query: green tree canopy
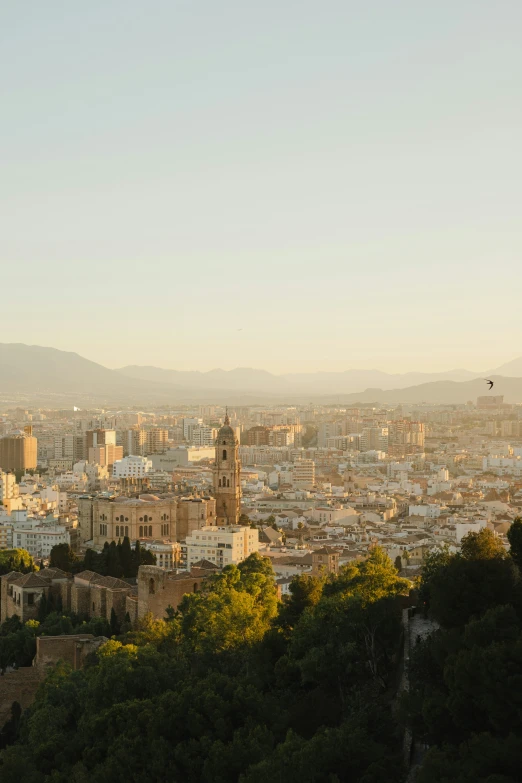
x,y
483,545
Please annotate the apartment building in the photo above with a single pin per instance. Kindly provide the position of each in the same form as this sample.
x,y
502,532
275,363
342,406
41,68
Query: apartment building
x,y
221,545
18,452
131,467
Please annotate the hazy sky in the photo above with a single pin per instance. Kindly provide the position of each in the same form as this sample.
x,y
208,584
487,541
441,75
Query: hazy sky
x,y
341,180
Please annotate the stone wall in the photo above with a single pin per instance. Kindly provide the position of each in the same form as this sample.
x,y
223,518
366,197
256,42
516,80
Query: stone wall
x,y
158,589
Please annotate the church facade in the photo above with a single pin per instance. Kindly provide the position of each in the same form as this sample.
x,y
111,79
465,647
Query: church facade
x,y
227,476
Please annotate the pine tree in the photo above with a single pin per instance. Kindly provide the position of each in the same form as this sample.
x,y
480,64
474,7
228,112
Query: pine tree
x,y
115,625
113,561
89,561
43,608
125,552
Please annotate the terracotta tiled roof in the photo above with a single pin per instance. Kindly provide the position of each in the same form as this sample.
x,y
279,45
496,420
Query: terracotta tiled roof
x,y
31,580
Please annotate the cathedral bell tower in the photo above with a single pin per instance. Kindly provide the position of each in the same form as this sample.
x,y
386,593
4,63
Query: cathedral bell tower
x,y
227,476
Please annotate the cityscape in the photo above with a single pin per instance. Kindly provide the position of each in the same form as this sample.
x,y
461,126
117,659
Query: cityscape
x,y
261,392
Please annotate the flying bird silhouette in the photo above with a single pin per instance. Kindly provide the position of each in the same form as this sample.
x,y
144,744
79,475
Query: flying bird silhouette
x,y
491,383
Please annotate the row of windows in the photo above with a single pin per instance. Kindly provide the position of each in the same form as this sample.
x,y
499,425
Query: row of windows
x,y
146,518
226,482
143,531
103,530
122,530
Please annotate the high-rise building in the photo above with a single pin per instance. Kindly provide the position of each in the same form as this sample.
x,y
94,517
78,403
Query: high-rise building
x,y
227,476
257,436
133,441
304,474
105,455
18,452
374,438
100,437
405,437
156,440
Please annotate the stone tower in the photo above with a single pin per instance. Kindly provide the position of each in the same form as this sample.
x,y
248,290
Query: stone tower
x,y
227,476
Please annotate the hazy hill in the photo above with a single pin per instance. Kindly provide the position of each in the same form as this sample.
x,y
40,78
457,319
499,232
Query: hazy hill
x,y
60,377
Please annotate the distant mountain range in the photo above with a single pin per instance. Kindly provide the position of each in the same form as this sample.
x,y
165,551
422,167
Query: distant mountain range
x,y
55,377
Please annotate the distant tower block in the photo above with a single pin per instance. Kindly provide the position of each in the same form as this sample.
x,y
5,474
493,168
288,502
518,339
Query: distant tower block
x,y
227,476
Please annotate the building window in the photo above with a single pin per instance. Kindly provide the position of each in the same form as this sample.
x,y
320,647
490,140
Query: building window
x,y
126,530
224,453
141,531
117,531
30,599
150,531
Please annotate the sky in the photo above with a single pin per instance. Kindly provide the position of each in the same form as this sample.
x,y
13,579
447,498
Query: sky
x,y
287,184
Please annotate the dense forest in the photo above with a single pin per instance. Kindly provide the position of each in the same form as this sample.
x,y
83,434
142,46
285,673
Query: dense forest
x,y
238,686
235,686
465,700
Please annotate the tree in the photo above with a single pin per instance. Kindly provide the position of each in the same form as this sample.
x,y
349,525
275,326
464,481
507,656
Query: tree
x,y
305,592
114,567
115,625
16,560
514,536
483,545
63,557
125,552
433,562
466,588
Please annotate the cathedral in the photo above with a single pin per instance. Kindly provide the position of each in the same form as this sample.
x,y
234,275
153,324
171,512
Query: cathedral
x,y
227,476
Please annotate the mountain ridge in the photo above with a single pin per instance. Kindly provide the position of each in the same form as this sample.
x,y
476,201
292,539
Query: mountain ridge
x,y
46,373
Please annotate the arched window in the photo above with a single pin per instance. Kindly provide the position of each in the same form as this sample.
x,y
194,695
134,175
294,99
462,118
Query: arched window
x,y
224,453
228,482
150,531
152,588
195,590
141,531
219,484
126,530
117,531
145,518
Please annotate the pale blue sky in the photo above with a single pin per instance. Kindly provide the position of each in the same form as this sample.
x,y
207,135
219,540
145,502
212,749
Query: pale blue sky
x,y
342,180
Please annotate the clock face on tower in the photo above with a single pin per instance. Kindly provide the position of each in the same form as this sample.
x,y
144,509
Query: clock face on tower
x,y
227,476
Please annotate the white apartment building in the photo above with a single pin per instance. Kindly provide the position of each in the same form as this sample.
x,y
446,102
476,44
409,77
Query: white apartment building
x,y
201,435
38,536
463,528
429,510
187,424
8,486
221,545
131,467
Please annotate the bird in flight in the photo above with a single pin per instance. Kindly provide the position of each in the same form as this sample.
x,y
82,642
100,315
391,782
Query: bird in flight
x,y
491,383
239,330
